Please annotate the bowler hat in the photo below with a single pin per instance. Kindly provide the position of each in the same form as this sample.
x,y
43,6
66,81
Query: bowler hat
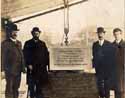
x,y
13,27
100,30
35,29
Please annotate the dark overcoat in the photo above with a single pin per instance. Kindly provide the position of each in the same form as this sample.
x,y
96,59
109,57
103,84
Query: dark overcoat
x,y
102,57
120,65
12,57
37,55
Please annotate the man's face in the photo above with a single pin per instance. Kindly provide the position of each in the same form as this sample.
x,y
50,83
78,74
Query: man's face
x,y
14,34
101,35
36,35
118,35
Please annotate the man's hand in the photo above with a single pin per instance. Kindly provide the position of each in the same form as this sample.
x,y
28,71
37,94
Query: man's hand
x,y
24,70
30,67
93,70
2,75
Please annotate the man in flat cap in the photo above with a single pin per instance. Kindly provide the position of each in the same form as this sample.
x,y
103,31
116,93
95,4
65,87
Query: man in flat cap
x,y
12,62
101,62
37,61
119,45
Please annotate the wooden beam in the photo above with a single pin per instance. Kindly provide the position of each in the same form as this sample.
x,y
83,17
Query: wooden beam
x,y
49,11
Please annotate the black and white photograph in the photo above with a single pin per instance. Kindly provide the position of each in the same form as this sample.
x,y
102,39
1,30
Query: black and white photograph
x,y
62,49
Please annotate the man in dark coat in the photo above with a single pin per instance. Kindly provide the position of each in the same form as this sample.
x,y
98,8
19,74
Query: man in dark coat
x,y
37,60
119,45
101,62
12,62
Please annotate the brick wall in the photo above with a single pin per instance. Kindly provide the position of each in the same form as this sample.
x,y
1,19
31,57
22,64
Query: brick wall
x,y
71,85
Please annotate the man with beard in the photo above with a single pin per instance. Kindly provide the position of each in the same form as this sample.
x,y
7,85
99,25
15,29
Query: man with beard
x,y
12,62
37,60
102,62
119,74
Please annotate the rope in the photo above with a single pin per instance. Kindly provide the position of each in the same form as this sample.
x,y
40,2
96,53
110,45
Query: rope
x,y
66,20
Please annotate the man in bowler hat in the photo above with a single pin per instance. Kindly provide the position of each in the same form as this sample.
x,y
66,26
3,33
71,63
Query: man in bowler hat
x,y
37,61
12,62
102,62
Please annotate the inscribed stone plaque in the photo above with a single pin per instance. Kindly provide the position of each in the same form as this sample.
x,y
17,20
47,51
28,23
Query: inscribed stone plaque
x,y
69,58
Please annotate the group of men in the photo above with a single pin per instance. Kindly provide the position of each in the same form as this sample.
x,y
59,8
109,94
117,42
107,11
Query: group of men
x,y
108,61
34,56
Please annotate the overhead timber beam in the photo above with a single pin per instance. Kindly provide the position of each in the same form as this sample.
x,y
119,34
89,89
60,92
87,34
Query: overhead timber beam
x,y
27,17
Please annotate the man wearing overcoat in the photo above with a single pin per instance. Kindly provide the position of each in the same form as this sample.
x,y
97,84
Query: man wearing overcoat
x,y
119,45
37,61
12,62
102,63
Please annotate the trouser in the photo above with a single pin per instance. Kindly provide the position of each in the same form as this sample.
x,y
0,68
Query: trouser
x,y
12,85
119,94
119,91
34,89
103,86
120,86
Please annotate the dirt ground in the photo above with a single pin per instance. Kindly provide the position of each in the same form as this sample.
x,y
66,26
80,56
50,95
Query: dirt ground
x,y
22,90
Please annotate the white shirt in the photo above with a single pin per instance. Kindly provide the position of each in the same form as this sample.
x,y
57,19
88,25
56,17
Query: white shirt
x,y
14,40
118,41
101,42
